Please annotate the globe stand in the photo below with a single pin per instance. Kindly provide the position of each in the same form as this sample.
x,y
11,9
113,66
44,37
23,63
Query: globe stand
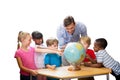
x,y
74,53
74,68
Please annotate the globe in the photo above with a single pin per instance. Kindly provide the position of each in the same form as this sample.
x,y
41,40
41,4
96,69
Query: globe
x,y
74,53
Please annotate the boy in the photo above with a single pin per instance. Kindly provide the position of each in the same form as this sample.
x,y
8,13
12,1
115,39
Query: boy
x,y
104,59
90,56
52,60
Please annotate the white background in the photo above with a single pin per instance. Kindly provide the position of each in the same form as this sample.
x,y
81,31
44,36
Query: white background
x,y
102,18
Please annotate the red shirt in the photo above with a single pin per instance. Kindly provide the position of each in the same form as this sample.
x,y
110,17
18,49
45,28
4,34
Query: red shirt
x,y
91,53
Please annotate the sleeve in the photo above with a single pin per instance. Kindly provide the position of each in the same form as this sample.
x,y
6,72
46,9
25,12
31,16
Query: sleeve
x,y
99,57
47,59
83,29
60,36
17,54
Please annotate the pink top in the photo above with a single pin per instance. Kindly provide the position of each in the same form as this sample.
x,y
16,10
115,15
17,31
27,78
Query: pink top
x,y
27,58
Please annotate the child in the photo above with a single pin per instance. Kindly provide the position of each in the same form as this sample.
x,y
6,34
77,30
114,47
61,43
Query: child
x,y
104,59
39,58
90,56
52,60
25,56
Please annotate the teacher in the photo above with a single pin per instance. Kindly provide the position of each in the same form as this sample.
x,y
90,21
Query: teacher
x,y
70,31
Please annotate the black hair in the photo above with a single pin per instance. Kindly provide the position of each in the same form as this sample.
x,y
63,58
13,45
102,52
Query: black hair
x,y
102,42
37,35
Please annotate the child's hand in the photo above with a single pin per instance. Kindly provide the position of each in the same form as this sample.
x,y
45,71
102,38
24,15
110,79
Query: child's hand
x,y
34,72
60,52
87,64
87,56
53,67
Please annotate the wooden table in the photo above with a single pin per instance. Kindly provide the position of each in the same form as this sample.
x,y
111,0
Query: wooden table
x,y
63,73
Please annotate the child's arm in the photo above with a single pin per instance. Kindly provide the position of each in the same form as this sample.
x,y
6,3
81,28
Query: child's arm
x,y
33,72
47,50
97,65
92,60
51,66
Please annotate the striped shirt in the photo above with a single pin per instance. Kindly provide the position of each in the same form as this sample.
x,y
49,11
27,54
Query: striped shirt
x,y
103,57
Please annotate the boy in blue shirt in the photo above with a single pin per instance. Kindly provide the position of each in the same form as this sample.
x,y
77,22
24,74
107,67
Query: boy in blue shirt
x,y
52,60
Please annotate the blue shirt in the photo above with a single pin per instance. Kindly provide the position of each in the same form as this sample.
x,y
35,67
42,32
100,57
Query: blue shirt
x,y
53,59
64,37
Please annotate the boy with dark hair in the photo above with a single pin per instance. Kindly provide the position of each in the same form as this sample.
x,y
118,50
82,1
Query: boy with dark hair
x,y
104,59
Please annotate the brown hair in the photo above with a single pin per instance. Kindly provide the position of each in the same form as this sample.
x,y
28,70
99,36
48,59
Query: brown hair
x,y
51,41
21,35
68,20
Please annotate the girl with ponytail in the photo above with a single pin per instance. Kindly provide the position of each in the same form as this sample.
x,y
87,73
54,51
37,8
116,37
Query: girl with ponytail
x,y
25,56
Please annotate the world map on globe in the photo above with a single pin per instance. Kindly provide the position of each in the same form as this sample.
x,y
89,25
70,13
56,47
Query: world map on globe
x,y
74,53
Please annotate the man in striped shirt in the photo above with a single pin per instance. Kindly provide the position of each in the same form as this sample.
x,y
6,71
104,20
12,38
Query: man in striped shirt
x,y
104,59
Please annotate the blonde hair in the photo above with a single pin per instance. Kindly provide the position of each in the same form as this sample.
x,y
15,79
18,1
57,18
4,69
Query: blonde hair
x,y
86,39
51,41
21,36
